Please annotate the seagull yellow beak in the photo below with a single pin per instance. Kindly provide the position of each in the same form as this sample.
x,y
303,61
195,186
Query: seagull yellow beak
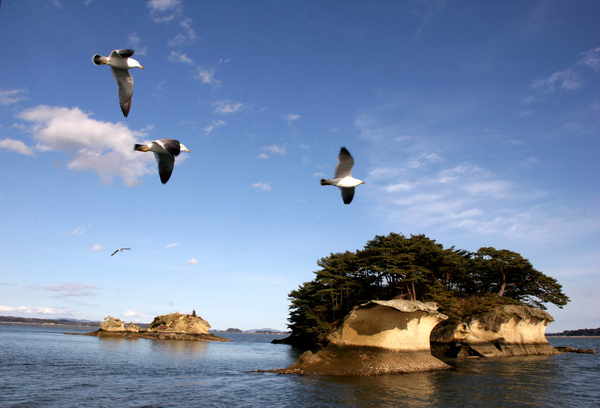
x,y
187,150
141,67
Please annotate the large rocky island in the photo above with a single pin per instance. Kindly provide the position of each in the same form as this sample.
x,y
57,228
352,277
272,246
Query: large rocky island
x,y
402,336
174,326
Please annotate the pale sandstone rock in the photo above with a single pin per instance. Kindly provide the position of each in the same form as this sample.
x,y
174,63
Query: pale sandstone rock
x,y
179,323
112,324
507,330
378,337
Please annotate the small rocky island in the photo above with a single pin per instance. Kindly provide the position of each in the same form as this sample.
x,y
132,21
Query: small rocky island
x,y
174,326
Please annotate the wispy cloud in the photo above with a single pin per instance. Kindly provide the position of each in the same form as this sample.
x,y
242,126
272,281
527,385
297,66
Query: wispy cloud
x,y
213,125
74,132
73,289
97,247
186,36
567,80
262,186
193,261
226,107
135,42
16,146
290,118
163,11
207,76
591,59
11,96
78,231
171,245
177,56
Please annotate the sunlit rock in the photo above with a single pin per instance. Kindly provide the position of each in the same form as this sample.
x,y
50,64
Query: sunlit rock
x,y
112,324
378,337
179,323
504,331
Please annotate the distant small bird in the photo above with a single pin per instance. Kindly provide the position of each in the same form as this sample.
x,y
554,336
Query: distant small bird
x,y
343,176
120,63
165,151
120,250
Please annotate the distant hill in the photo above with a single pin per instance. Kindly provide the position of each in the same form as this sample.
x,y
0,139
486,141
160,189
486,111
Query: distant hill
x,y
62,322
36,321
577,333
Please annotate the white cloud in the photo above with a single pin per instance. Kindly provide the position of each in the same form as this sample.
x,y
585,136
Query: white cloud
x,y
188,35
26,310
73,289
135,42
78,231
227,107
133,313
591,59
214,124
97,247
10,96
176,56
274,149
291,117
193,261
567,80
72,131
262,186
163,11
171,245
207,76
16,146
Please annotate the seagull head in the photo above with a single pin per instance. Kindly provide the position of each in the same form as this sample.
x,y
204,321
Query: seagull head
x,y
131,63
182,148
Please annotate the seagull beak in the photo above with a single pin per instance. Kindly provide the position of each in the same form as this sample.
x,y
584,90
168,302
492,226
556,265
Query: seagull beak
x,y
187,150
141,67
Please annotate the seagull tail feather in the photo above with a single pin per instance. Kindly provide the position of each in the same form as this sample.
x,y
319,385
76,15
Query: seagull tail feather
x,y
141,147
325,182
99,59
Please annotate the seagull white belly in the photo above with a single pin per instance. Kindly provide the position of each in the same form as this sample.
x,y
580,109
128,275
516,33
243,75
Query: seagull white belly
x,y
348,182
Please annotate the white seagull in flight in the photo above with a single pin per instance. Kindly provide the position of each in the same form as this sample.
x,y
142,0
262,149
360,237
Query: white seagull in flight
x,y
120,63
343,176
165,151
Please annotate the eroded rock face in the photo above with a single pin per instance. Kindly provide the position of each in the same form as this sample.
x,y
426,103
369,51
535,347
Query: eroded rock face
x,y
504,331
179,323
112,324
378,337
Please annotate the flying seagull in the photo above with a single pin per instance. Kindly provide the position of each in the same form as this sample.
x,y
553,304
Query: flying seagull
x,y
343,176
121,62
164,151
120,250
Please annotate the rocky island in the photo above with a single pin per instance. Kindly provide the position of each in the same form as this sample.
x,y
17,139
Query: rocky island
x,y
174,326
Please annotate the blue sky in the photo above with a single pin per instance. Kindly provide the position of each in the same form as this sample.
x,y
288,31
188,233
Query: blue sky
x,y
474,123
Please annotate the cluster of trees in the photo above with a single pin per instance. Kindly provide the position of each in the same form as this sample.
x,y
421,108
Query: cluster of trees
x,y
462,283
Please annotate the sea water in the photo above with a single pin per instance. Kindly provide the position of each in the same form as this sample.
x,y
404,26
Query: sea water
x,y
43,367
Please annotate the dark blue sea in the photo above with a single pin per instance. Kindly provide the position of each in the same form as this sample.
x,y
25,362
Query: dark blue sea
x,y
43,367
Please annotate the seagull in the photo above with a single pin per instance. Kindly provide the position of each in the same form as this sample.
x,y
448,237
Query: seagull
x,y
121,63
343,177
164,151
119,250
